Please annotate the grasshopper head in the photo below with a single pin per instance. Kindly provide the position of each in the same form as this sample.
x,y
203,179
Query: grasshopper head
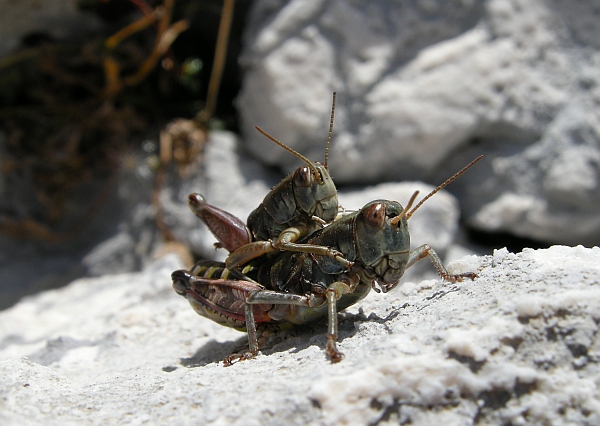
x,y
383,242
181,282
382,236
315,192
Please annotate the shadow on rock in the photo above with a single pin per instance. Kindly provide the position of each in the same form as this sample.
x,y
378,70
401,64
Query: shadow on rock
x,y
292,340
301,337
213,352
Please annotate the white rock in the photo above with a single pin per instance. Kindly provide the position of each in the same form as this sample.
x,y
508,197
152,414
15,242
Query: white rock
x,y
519,345
424,87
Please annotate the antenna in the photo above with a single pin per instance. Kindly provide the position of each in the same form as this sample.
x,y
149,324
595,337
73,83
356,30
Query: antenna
x,y
330,131
397,219
297,154
443,185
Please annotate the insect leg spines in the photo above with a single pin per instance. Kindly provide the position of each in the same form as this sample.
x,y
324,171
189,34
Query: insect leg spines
x,y
424,251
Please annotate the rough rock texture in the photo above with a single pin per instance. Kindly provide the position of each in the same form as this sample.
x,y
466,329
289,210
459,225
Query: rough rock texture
x,y
425,86
519,345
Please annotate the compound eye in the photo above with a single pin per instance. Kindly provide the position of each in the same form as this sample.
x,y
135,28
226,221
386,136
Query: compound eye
x,y
375,216
303,176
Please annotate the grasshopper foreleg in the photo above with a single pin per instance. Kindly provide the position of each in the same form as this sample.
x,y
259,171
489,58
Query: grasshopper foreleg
x,y
314,249
334,293
286,241
425,250
252,339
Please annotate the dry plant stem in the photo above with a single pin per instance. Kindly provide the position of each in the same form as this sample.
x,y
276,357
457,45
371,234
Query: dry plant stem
x,y
165,35
211,100
219,61
50,66
68,139
159,214
164,21
162,45
20,56
112,68
137,26
165,157
142,5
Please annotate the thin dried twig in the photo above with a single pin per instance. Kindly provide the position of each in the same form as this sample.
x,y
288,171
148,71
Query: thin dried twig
x,y
166,140
219,61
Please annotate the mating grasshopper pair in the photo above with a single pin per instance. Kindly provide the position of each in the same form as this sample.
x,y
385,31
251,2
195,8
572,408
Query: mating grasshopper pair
x,y
299,205
293,263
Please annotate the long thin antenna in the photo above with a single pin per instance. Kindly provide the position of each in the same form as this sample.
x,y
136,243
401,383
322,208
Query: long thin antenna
x,y
330,131
443,185
297,154
397,219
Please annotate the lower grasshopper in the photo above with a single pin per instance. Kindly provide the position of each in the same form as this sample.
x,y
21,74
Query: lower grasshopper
x,y
299,287
303,202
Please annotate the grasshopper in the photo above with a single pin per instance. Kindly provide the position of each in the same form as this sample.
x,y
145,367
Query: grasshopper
x,y
300,204
299,287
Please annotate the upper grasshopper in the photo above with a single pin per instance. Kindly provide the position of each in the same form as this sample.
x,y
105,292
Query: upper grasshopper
x,y
298,287
300,204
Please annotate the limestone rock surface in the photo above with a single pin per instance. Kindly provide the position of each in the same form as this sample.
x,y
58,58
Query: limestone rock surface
x,y
425,86
518,345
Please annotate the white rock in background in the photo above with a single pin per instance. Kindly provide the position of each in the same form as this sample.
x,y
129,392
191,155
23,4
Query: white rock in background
x,y
424,87
519,345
